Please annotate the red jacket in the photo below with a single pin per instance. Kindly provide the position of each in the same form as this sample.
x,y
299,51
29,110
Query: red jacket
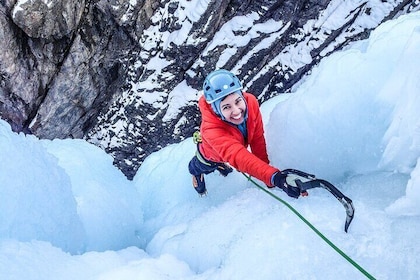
x,y
223,141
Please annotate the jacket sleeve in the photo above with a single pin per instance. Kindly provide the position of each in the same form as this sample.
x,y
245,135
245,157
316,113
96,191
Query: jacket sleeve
x,y
247,162
237,155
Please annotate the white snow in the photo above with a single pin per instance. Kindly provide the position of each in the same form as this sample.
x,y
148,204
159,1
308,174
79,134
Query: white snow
x,y
67,213
177,97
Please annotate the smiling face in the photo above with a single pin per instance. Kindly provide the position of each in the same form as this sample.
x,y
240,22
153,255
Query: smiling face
x,y
233,108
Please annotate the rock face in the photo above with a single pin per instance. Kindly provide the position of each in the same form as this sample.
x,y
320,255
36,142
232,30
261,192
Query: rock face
x,y
126,75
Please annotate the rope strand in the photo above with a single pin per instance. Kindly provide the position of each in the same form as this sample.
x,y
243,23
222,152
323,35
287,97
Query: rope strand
x,y
350,260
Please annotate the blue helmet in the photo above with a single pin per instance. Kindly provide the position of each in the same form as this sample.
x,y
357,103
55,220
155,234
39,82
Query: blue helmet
x,y
217,85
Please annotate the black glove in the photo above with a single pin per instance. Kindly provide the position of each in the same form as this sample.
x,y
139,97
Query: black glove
x,y
280,181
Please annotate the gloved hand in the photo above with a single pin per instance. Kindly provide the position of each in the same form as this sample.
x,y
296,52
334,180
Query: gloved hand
x,y
280,181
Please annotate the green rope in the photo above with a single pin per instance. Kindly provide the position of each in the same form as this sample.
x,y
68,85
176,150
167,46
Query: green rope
x,y
313,228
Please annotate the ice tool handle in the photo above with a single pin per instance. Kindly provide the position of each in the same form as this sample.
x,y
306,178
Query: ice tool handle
x,y
305,181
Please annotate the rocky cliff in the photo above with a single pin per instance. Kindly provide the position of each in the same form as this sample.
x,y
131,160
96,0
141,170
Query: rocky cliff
x,y
126,75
